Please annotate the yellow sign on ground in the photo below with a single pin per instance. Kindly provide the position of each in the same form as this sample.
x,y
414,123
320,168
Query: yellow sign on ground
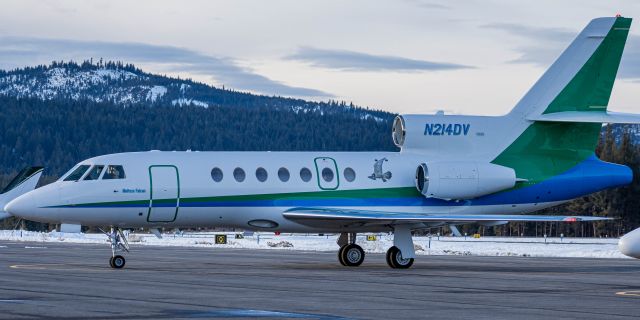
x,y
476,236
371,237
221,239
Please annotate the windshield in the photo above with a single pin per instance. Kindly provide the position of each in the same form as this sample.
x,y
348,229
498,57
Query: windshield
x,y
94,173
77,173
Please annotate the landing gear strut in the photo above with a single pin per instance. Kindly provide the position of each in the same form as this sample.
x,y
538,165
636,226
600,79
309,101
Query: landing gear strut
x,y
350,254
118,244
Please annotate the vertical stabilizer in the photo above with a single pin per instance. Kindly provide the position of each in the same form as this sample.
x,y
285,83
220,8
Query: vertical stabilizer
x,y
582,77
580,80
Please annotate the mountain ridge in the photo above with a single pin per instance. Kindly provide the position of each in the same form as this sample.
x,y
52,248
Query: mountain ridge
x,y
124,84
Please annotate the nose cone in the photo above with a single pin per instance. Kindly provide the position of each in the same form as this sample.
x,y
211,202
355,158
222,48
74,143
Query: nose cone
x,y
629,244
23,206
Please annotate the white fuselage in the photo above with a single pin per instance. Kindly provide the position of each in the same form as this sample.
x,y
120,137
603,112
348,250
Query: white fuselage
x,y
177,189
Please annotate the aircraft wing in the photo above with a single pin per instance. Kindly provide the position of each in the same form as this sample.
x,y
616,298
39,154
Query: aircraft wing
x,y
346,217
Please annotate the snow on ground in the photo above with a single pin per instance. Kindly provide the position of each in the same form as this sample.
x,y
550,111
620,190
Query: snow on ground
x,y
486,246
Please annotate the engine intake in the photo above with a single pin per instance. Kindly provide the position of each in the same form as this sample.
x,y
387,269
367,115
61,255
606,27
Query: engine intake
x,y
461,180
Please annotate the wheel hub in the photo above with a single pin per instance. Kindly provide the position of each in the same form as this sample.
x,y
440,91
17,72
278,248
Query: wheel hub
x,y
400,260
353,255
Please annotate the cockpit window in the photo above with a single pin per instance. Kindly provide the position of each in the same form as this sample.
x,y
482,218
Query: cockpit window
x,y
114,172
94,173
77,173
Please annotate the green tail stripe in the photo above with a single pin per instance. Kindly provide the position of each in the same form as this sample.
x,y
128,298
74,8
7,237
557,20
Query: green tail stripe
x,y
546,149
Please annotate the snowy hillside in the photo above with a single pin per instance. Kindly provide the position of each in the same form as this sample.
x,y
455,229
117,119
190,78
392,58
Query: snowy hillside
x,y
125,84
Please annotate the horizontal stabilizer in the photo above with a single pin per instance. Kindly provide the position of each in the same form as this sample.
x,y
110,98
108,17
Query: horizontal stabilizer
x,y
368,217
588,117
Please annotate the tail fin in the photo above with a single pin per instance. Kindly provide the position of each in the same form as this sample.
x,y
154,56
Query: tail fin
x,y
25,181
582,77
580,80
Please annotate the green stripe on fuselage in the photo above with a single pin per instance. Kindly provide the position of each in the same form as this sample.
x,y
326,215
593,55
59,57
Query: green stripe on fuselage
x,y
400,192
403,192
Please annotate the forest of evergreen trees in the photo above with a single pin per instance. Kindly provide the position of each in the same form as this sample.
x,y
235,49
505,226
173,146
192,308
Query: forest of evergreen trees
x,y
59,133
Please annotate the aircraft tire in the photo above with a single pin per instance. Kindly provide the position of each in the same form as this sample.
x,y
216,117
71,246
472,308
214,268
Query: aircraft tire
x,y
117,262
340,255
111,262
388,257
395,260
352,255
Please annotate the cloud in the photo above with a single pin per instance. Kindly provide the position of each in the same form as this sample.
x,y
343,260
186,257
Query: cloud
x,y
21,51
548,44
427,4
356,61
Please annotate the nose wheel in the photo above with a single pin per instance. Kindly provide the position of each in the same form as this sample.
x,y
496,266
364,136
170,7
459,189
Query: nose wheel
x,y
119,243
117,262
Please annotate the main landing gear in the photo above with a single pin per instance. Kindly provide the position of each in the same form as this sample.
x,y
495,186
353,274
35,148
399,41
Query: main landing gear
x,y
350,254
400,256
395,260
118,244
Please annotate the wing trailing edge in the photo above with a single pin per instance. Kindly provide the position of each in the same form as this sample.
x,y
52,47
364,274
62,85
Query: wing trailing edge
x,y
382,217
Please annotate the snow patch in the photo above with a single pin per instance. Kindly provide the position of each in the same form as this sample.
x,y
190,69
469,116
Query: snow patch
x,y
185,102
156,92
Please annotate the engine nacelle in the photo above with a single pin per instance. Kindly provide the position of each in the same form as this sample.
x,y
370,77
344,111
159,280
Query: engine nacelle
x,y
461,180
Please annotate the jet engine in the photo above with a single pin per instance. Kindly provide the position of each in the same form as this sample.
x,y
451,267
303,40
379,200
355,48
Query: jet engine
x,y
461,180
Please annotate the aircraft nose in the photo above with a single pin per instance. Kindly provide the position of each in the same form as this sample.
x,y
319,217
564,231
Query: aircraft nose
x,y
23,206
629,244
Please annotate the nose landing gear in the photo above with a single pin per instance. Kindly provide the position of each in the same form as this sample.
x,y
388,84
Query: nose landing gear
x,y
118,244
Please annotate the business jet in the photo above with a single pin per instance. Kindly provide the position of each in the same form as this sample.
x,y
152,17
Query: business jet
x,y
451,170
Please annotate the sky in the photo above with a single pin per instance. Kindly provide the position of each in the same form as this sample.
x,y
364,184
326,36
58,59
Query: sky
x,y
403,56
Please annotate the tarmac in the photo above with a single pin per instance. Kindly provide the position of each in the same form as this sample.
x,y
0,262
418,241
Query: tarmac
x,y
74,281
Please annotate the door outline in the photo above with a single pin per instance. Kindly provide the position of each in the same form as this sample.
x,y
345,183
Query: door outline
x,y
318,176
175,215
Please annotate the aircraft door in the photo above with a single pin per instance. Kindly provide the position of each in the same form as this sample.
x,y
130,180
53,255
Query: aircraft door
x,y
164,197
327,173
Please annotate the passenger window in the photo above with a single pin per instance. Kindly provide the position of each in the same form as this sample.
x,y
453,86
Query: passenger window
x,y
114,172
77,173
349,174
94,173
261,174
283,174
238,174
216,174
327,174
305,174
